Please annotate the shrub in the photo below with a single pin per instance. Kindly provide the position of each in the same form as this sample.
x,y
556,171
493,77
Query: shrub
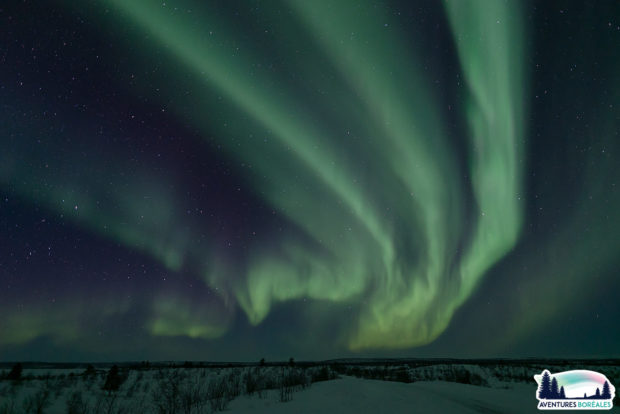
x,y
8,406
291,378
321,374
37,402
251,382
191,398
16,372
76,405
89,371
166,396
218,393
113,380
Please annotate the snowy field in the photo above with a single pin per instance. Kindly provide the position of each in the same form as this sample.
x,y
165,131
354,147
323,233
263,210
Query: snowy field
x,y
338,388
355,395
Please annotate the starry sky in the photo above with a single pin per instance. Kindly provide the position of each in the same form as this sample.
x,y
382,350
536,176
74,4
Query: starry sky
x,y
232,180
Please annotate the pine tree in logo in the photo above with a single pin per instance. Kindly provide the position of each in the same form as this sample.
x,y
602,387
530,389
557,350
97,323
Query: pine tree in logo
x,y
545,386
606,391
554,394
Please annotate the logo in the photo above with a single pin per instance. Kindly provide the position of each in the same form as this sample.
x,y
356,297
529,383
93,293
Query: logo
x,y
574,390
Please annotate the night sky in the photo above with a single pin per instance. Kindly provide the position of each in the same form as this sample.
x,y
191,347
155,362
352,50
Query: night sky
x,y
231,180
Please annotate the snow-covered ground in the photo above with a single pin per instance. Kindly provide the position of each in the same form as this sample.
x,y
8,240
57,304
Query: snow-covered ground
x,y
355,395
261,389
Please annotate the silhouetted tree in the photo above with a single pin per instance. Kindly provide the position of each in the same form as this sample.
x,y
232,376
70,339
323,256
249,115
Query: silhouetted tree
x,y
291,362
262,362
113,380
554,389
606,391
90,371
545,386
562,395
16,372
598,393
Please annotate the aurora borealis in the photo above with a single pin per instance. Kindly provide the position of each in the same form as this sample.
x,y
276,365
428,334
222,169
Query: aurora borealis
x,y
236,180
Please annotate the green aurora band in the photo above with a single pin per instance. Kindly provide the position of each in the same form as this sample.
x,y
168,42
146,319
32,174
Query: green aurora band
x,y
373,182
358,224
489,41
